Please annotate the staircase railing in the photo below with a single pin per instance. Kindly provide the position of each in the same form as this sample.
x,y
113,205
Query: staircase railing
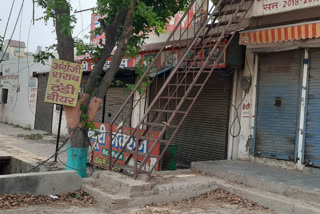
x,y
200,38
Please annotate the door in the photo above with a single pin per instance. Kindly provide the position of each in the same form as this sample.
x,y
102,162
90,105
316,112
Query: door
x,y
277,104
44,111
312,135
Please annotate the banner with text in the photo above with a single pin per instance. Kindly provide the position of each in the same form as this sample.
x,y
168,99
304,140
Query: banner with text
x,y
64,83
99,139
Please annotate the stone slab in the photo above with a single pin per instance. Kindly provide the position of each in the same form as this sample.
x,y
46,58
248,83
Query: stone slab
x,y
40,183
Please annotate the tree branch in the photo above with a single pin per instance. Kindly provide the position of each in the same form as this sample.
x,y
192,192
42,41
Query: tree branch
x,y
110,42
119,54
65,41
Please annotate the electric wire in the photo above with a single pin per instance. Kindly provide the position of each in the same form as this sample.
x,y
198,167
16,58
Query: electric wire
x,y
236,109
5,31
18,80
13,31
62,145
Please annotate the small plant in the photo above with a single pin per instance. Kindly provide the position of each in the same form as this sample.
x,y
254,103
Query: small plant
x,y
31,136
74,195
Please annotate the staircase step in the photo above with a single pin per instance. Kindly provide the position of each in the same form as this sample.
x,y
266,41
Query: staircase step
x,y
122,184
214,36
226,11
234,2
167,111
197,47
201,59
151,139
141,154
109,201
176,98
198,85
159,125
193,71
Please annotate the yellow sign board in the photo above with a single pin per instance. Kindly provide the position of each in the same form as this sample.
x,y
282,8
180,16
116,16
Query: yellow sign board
x,y
64,83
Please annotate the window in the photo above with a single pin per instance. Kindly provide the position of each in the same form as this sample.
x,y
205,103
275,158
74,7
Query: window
x,y
4,97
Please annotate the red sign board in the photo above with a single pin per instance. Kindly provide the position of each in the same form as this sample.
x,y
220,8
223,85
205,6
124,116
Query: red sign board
x,y
99,139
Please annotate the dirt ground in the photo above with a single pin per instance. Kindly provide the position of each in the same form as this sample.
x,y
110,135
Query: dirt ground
x,y
216,202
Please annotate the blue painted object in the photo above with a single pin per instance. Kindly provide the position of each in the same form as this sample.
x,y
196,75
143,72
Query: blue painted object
x,y
77,160
312,129
278,105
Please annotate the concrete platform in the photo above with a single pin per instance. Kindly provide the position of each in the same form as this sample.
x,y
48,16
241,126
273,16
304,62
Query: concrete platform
x,y
40,183
289,183
115,191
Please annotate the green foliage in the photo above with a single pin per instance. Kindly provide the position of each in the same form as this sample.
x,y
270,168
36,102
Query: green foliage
x,y
84,118
59,10
140,69
31,136
43,57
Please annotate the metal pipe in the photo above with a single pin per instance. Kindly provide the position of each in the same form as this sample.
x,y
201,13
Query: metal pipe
x,y
103,109
58,137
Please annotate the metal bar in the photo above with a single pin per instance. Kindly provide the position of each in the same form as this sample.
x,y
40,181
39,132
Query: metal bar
x,y
153,61
110,148
58,137
103,109
194,81
147,71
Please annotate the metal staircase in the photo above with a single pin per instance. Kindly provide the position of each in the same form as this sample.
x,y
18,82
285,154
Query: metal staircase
x,y
177,85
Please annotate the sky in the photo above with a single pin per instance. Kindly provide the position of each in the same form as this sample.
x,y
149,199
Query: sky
x,y
41,34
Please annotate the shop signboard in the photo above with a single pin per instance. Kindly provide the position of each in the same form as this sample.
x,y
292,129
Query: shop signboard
x,y
99,139
64,83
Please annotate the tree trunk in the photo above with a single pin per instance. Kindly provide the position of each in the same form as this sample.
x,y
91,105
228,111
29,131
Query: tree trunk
x,y
78,143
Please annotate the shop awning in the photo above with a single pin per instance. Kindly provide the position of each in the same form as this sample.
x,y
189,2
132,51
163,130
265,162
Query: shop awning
x,y
281,33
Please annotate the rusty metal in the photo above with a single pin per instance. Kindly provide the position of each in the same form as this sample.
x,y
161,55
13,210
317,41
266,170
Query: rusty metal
x,y
205,35
142,79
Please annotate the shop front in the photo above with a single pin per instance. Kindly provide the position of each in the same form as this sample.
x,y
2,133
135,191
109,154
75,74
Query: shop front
x,y
287,106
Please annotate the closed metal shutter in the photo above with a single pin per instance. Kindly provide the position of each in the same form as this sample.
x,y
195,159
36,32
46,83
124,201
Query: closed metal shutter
x,y
312,136
277,104
114,100
203,134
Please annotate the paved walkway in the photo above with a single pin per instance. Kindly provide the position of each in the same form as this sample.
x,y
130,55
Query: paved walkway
x,y
33,151
290,183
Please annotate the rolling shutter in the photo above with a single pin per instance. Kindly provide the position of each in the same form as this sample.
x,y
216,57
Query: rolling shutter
x,y
203,134
277,104
312,136
114,99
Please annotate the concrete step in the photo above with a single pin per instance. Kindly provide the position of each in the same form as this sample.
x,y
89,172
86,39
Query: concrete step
x,y
289,183
107,200
122,184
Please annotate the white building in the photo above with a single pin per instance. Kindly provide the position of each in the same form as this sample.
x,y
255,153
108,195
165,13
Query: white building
x,y
18,87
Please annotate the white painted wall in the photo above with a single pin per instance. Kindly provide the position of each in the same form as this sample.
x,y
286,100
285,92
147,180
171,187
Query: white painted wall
x,y
237,147
55,122
17,77
140,104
